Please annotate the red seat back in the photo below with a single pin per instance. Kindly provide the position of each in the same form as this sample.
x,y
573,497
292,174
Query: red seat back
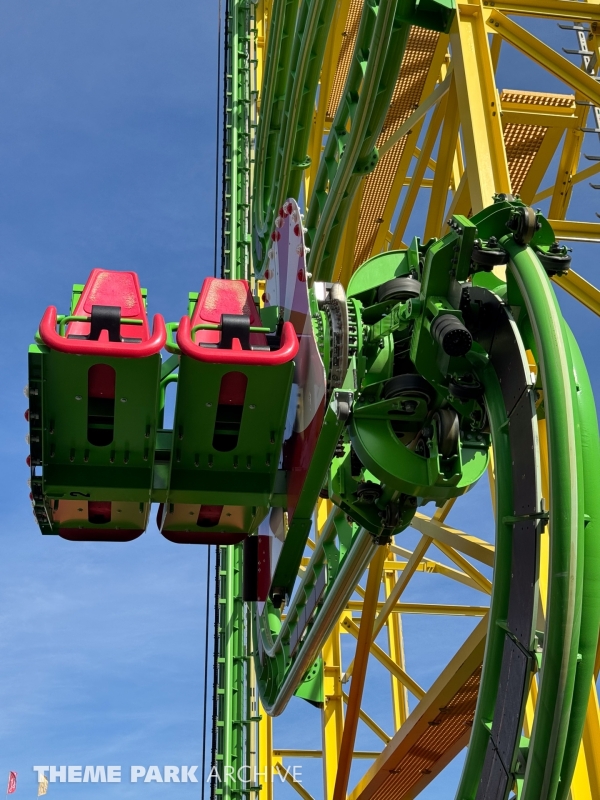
x,y
108,288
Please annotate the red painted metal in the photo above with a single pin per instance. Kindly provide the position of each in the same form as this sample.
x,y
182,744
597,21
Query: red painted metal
x,y
260,358
85,347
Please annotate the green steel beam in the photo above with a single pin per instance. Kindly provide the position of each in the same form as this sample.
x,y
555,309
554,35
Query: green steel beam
x,y
236,257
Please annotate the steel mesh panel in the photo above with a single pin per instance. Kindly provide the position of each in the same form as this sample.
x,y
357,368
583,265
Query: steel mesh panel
x,y
522,142
442,733
345,56
407,96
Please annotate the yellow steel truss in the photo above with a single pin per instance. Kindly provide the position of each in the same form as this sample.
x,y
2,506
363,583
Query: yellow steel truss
x,y
452,139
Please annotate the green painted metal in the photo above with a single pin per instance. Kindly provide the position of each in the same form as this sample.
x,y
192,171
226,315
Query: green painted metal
x,y
288,648
232,683
563,614
283,132
236,243
590,596
350,154
384,455
296,47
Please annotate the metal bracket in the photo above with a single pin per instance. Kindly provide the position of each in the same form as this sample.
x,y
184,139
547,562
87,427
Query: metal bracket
x,y
343,402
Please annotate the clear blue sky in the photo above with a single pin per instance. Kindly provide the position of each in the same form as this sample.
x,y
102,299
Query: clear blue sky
x,y
107,143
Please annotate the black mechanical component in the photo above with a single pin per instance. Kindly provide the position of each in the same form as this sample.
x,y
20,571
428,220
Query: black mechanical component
x,y
277,595
250,570
105,318
408,384
421,443
465,387
399,289
451,334
343,405
355,463
368,492
234,326
523,223
487,256
331,299
448,431
556,260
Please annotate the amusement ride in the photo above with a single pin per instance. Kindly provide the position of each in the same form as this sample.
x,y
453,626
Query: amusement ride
x,y
338,383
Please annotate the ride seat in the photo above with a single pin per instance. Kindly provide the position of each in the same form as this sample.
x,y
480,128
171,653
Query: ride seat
x,y
108,299
230,305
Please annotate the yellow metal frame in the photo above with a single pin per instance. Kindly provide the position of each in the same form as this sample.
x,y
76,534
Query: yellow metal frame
x,y
455,156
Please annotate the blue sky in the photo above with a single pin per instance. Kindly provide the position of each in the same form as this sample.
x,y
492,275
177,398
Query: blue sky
x,y
107,142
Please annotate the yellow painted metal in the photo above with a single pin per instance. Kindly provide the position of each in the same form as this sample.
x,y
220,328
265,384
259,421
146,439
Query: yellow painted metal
x,y
469,545
401,583
581,290
295,753
530,706
539,164
544,55
360,672
332,715
288,777
429,565
344,266
332,51
417,115
591,743
495,47
576,231
582,175
423,162
536,124
549,9
567,167
351,627
386,777
443,609
370,723
424,63
443,171
265,755
262,17
479,104
461,202
482,582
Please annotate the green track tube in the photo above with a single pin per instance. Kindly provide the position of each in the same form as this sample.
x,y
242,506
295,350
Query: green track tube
x,y
273,92
348,156
590,603
488,689
561,637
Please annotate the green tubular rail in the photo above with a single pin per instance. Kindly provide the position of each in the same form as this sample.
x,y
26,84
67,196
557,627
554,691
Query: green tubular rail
x,y
231,680
310,39
273,93
500,592
283,674
590,601
573,607
279,167
348,156
236,250
561,638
